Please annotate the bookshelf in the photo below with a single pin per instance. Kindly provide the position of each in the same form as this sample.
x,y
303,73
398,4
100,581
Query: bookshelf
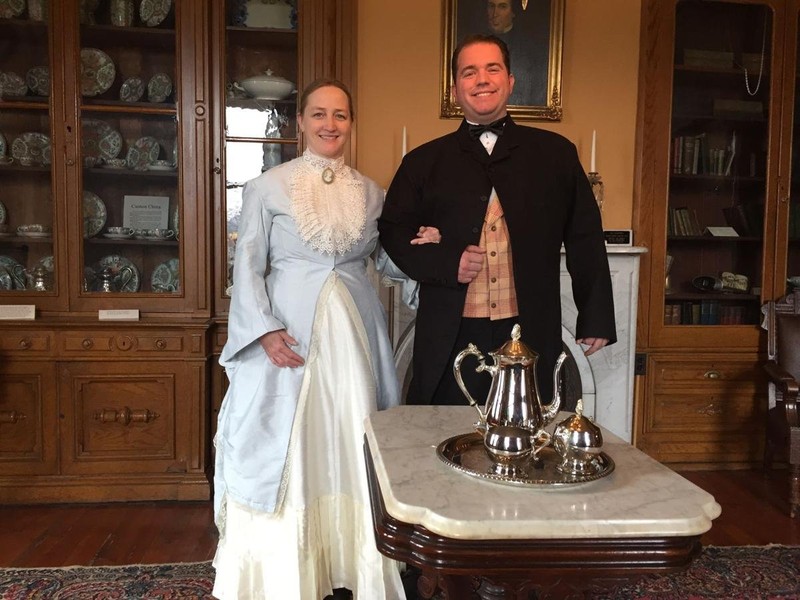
x,y
718,192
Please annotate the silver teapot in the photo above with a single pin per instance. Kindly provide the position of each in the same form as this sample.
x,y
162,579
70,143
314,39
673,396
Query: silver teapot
x,y
513,419
578,441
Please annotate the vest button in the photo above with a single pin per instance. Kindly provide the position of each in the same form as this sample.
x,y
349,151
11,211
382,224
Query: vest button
x,y
484,198
494,279
475,230
494,305
494,227
493,253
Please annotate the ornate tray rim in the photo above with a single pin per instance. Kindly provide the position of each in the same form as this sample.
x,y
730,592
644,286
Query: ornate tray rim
x,y
446,453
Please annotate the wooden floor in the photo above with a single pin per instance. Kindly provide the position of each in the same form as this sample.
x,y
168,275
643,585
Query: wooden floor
x,y
754,511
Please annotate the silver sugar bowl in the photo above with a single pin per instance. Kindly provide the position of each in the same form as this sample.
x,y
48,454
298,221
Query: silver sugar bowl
x,y
578,442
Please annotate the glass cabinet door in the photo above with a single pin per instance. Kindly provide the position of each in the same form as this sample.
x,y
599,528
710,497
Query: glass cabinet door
x,y
720,137
792,217
130,196
260,76
27,209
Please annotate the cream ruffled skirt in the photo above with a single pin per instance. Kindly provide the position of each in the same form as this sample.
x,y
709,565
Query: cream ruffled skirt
x,y
321,537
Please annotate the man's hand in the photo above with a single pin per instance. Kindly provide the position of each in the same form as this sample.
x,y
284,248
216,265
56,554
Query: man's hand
x,y
470,264
427,235
276,345
594,344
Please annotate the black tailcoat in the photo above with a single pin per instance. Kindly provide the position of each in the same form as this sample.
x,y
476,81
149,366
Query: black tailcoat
x,y
547,201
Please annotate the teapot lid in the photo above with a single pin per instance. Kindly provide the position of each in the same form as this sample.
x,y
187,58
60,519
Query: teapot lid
x,y
515,350
269,75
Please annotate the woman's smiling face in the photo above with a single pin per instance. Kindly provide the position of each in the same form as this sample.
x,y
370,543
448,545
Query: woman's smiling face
x,y
326,122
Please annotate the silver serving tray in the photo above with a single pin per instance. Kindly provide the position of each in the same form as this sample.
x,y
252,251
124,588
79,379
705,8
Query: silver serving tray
x,y
466,453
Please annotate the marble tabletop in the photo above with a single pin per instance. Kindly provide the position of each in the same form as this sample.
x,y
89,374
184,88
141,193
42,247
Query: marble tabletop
x,y
641,498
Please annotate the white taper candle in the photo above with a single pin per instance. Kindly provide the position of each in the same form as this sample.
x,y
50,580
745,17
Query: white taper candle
x,y
405,141
593,168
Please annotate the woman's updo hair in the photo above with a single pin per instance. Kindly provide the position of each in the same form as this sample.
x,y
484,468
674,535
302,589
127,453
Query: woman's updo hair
x,y
321,83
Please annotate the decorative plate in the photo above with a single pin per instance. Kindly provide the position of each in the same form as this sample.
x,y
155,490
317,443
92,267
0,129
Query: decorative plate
x,y
38,80
143,152
131,90
11,8
15,270
97,72
126,275
153,12
166,277
94,214
159,87
5,279
3,214
3,146
32,148
12,84
100,140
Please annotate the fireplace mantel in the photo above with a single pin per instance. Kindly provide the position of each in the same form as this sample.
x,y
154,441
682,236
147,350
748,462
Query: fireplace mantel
x,y
606,376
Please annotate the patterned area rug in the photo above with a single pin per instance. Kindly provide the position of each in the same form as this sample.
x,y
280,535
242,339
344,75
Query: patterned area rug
x,y
729,573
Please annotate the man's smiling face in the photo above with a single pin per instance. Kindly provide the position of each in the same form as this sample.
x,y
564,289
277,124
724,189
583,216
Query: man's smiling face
x,y
483,83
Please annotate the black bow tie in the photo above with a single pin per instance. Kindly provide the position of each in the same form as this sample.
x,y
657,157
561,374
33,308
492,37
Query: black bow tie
x,y
496,127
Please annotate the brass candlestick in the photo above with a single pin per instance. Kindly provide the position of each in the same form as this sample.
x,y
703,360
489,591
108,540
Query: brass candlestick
x,y
597,188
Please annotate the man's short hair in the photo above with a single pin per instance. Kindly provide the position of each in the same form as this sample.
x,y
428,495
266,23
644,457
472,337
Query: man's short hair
x,y
479,38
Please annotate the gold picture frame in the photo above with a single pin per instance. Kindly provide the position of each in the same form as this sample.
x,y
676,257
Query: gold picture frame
x,y
535,51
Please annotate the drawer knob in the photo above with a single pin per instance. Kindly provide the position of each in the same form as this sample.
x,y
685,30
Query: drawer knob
x,y
710,410
87,343
712,374
11,416
125,416
25,343
161,344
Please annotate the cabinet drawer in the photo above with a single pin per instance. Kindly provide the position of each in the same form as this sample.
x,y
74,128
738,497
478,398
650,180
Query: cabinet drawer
x,y
122,343
707,373
678,411
25,341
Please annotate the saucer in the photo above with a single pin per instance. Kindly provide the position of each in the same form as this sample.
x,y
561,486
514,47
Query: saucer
x,y
118,236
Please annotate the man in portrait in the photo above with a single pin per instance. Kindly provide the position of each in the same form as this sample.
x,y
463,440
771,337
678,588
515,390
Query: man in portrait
x,y
526,32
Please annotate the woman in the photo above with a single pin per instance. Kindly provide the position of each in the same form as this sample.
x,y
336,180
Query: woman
x,y
308,358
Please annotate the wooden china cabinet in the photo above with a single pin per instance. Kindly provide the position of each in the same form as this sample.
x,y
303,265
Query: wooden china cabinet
x,y
114,229
718,206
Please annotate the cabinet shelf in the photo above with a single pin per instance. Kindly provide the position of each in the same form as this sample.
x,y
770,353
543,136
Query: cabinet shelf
x,y
25,102
711,239
716,178
14,166
131,242
137,108
130,173
700,296
19,240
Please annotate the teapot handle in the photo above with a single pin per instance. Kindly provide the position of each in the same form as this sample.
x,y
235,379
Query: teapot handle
x,y
471,349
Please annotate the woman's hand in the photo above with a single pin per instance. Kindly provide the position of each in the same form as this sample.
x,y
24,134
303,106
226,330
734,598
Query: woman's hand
x,y
427,235
276,345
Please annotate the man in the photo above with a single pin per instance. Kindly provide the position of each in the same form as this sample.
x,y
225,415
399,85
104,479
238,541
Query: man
x,y
504,198
500,16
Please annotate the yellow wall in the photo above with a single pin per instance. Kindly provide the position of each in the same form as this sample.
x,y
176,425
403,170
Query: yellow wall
x,y
399,70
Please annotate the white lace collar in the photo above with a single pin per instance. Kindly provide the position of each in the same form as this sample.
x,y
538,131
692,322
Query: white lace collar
x,y
330,217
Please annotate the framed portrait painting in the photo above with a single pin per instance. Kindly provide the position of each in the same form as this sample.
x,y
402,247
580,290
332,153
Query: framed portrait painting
x,y
533,31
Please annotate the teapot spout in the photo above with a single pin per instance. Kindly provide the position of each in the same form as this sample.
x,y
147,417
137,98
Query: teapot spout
x,y
555,405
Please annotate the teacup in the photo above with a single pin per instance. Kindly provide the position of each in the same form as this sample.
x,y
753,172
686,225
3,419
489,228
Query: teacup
x,y
92,161
162,163
34,228
27,161
162,233
6,160
120,230
116,163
